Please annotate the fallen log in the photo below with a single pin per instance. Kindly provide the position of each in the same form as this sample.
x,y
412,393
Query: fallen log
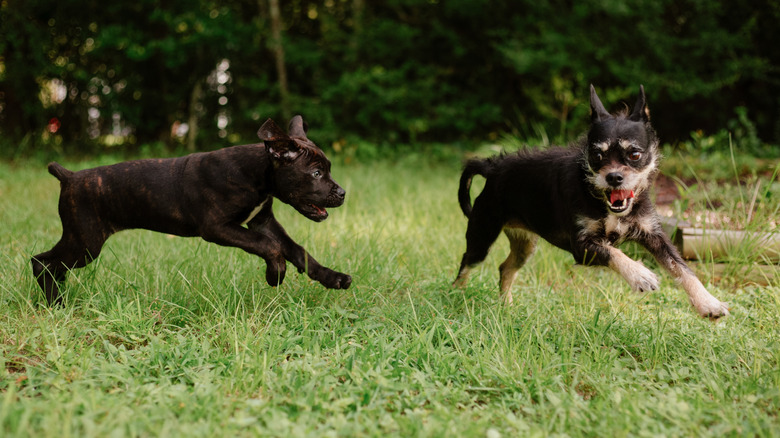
x,y
724,244
760,250
715,244
762,275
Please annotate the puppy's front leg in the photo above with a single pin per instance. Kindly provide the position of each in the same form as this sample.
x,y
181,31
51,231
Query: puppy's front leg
x,y
299,257
259,244
667,255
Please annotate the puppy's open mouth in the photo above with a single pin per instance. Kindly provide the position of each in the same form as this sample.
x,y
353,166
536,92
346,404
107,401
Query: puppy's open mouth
x,y
315,212
620,200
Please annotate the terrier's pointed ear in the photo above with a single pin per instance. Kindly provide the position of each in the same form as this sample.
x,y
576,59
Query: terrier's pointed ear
x,y
298,128
277,143
640,113
597,110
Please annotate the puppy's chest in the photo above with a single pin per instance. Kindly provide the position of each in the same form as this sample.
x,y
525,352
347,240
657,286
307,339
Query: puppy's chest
x,y
255,211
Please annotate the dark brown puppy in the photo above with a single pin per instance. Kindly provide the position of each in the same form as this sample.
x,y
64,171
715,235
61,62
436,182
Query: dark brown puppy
x,y
585,199
211,194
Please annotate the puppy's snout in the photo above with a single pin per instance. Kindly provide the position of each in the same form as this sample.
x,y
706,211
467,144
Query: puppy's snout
x,y
340,193
614,179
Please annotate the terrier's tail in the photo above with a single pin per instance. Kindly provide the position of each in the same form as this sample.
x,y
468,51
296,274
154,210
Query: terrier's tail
x,y
58,171
473,167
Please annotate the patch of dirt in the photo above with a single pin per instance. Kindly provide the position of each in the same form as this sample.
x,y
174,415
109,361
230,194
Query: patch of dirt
x,y
665,190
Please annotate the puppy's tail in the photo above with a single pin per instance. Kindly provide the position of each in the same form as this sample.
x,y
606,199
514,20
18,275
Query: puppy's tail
x,y
59,172
472,167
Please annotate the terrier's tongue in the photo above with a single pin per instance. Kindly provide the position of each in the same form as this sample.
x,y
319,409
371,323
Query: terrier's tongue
x,y
619,195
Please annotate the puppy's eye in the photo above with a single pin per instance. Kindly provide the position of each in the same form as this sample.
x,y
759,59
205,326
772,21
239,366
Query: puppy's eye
x,y
317,173
599,156
634,155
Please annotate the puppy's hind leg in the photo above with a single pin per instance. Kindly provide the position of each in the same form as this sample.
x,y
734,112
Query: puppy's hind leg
x,y
483,229
48,274
51,267
521,245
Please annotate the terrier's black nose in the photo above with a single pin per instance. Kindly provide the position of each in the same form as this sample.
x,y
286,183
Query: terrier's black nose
x,y
340,193
615,179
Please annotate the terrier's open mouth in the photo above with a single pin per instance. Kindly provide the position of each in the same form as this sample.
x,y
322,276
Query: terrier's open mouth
x,y
620,200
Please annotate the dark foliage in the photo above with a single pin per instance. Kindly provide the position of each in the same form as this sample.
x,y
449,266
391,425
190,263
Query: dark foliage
x,y
88,75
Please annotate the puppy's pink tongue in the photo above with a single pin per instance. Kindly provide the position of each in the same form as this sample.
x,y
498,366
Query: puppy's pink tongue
x,y
619,195
319,209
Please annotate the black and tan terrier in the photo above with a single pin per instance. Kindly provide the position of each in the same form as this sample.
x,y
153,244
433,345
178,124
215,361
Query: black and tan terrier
x,y
586,199
224,197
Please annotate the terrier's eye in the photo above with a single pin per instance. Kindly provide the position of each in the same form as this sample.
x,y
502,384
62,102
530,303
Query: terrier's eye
x,y
634,155
317,173
599,156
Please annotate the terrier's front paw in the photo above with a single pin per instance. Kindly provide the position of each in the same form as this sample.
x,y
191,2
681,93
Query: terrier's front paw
x,y
642,279
705,304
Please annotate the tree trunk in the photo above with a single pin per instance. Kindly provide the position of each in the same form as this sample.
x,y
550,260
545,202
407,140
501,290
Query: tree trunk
x,y
358,8
192,121
278,49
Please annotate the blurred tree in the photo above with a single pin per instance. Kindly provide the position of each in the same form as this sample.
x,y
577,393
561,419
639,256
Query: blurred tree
x,y
691,55
278,49
29,54
158,60
385,70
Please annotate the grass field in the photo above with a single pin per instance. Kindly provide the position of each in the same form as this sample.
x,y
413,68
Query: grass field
x,y
167,336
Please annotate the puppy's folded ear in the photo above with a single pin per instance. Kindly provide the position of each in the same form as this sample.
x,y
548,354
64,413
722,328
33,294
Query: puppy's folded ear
x,y
284,150
298,128
278,144
270,131
640,113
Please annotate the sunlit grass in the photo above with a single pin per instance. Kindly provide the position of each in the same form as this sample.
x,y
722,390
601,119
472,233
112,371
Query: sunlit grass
x,y
174,336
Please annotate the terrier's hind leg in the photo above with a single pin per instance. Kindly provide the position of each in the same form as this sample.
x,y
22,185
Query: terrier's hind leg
x,y
521,245
483,229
